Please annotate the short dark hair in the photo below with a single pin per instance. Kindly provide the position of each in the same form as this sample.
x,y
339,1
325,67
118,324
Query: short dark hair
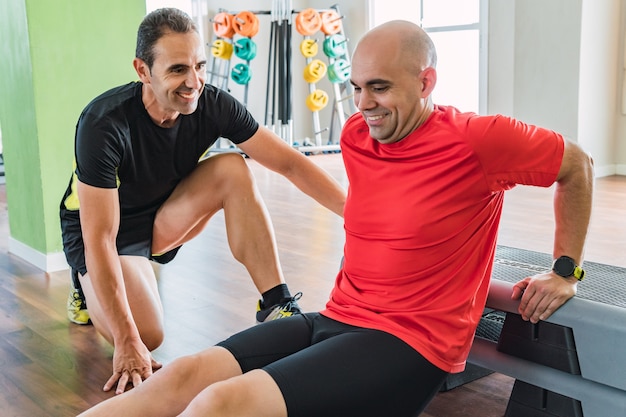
x,y
155,25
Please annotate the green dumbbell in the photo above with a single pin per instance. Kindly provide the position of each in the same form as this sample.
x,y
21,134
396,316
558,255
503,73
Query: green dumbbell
x,y
245,48
335,46
241,74
339,71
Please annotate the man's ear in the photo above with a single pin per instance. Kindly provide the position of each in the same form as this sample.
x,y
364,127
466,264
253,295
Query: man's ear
x,y
142,70
428,77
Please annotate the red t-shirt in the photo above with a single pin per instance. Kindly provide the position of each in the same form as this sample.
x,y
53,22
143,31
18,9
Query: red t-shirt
x,y
421,222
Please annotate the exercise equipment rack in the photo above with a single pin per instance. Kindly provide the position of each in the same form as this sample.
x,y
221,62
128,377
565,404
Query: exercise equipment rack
x,y
229,38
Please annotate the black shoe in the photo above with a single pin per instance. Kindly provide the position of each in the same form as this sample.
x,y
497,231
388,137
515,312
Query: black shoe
x,y
287,308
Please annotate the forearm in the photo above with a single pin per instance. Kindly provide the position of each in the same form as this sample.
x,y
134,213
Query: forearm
x,y
105,274
572,209
99,217
318,184
273,153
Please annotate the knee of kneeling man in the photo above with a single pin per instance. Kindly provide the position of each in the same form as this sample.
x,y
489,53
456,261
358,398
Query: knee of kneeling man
x,y
153,338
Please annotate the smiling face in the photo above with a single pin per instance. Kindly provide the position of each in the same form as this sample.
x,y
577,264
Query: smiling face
x,y
176,80
392,81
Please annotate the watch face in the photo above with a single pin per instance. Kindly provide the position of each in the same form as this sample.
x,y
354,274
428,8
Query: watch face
x,y
564,266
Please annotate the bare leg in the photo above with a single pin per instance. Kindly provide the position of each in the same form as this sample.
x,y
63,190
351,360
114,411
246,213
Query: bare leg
x,y
222,182
143,297
169,391
254,394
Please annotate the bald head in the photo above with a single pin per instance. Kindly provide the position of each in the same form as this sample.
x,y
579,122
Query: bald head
x,y
393,76
400,39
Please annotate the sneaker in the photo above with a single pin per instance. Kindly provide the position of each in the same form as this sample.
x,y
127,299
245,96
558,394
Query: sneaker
x,y
287,308
77,306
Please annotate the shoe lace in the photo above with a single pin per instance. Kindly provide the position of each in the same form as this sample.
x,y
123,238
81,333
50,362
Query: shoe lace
x,y
292,303
78,301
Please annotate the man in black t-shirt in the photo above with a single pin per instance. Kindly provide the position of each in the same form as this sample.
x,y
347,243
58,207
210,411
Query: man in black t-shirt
x,y
142,188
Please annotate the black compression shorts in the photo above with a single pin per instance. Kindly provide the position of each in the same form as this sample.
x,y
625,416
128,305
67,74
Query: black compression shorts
x,y
327,368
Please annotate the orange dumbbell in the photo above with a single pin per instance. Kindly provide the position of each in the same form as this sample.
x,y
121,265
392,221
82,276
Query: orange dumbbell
x,y
308,22
331,22
223,25
246,24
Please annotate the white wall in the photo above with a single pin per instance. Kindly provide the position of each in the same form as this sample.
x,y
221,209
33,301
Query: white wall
x,y
534,62
547,56
558,63
501,67
598,91
620,130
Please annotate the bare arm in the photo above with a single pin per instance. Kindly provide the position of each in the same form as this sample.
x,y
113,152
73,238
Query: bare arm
x,y
572,202
542,294
273,153
99,215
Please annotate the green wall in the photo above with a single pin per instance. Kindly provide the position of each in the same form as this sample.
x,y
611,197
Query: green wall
x,y
56,56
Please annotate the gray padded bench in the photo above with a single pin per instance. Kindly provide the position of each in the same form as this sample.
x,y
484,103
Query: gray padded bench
x,y
574,363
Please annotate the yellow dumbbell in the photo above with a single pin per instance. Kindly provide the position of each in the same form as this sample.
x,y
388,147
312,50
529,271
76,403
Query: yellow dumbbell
x,y
222,49
317,100
314,71
309,48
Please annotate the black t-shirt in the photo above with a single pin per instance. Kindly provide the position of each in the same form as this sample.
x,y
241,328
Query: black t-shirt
x,y
118,145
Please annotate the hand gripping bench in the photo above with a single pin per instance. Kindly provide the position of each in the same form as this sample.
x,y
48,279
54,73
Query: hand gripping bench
x,y
574,363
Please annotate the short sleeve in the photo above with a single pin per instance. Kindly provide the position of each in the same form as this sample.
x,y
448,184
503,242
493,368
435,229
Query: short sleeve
x,y
236,122
512,152
99,151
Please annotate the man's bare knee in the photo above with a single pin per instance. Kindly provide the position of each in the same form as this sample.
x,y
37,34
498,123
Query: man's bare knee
x,y
152,338
182,369
234,169
243,395
219,399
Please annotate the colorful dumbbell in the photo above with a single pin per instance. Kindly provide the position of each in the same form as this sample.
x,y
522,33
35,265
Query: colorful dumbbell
x,y
222,49
241,74
246,24
317,100
223,25
308,22
331,22
245,48
335,46
339,71
314,71
309,47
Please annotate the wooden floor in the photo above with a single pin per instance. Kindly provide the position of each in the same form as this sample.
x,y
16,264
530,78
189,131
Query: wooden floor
x,y
49,367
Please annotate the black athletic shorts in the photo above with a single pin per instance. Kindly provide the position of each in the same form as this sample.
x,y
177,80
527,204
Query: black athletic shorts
x,y
327,368
134,238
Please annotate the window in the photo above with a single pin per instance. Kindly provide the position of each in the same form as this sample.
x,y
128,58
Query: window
x,y
458,30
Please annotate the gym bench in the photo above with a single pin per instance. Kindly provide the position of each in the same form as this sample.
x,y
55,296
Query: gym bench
x,y
579,372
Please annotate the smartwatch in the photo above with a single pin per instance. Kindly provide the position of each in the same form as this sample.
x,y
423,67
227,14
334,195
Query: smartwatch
x,y
566,267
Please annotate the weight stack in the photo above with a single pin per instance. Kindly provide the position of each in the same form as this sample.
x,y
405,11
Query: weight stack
x,y
547,344
489,327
